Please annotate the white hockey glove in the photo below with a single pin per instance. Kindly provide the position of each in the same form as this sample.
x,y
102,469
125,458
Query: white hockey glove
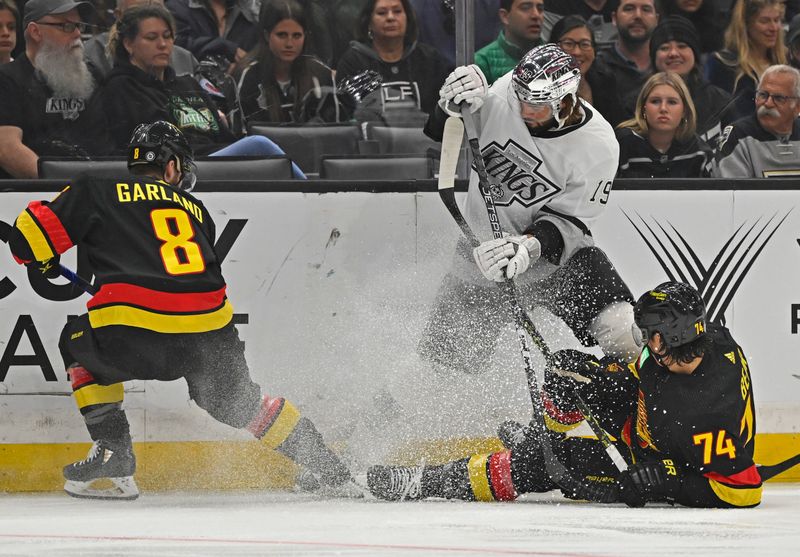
x,y
464,84
506,257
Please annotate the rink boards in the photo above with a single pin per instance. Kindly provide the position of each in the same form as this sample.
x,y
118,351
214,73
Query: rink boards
x,y
332,291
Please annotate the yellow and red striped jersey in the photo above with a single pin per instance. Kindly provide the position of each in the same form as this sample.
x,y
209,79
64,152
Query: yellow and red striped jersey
x,y
150,245
704,422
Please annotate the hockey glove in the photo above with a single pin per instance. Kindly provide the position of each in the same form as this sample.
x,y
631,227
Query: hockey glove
x,y
50,268
506,257
649,481
464,84
605,385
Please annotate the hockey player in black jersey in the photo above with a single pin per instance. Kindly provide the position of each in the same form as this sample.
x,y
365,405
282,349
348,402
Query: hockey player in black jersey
x,y
160,312
684,414
695,424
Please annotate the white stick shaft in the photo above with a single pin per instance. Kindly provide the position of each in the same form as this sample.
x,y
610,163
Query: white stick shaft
x,y
451,149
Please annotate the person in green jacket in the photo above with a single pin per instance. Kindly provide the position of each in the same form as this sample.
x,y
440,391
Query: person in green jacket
x,y
522,29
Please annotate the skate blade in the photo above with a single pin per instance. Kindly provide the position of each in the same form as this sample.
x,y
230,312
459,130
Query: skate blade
x,y
123,488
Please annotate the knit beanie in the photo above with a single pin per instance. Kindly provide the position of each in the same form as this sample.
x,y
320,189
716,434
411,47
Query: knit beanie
x,y
674,28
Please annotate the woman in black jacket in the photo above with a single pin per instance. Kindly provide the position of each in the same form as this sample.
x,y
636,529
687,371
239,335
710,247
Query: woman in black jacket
x,y
277,79
660,140
675,47
598,85
142,87
387,43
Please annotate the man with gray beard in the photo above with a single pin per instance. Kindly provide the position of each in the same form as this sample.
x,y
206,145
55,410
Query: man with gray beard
x,y
47,103
767,143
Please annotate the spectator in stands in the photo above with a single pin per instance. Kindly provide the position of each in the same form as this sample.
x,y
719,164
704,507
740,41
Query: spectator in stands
x,y
343,22
47,105
793,42
522,30
629,57
100,58
223,30
387,43
706,16
597,13
318,40
598,85
277,76
766,143
753,42
437,25
660,140
675,47
142,87
9,21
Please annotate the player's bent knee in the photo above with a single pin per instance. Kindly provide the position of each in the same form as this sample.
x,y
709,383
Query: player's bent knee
x,y
613,330
88,393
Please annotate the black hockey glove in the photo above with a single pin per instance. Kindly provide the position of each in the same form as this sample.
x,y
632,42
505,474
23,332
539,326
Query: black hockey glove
x,y
649,481
50,268
605,386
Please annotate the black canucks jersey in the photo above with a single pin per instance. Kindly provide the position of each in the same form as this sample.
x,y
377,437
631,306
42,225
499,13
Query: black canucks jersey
x,y
704,422
151,247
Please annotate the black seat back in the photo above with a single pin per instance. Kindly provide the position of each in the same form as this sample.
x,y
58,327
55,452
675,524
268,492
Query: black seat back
x,y
306,144
376,167
208,168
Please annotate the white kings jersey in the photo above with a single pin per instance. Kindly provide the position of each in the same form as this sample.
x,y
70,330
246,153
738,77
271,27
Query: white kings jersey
x,y
562,176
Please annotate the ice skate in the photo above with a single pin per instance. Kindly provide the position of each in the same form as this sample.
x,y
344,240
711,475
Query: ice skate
x,y
307,482
395,483
88,478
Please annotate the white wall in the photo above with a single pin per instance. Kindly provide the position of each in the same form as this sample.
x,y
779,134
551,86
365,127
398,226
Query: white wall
x,y
337,287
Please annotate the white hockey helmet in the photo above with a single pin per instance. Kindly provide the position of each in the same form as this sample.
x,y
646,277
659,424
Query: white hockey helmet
x,y
545,76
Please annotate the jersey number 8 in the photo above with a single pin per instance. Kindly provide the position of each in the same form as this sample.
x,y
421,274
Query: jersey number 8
x,y
180,255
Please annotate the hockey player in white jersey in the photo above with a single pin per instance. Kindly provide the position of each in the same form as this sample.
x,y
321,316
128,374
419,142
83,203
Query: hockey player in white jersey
x,y
551,159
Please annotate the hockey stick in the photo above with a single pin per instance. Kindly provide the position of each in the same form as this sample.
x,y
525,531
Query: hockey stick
x,y
451,147
768,472
79,281
555,469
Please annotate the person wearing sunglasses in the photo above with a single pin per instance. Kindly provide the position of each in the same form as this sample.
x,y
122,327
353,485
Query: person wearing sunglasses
x,y
766,143
48,104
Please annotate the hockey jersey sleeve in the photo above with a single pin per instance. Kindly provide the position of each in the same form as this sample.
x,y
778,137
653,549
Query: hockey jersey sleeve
x,y
46,229
733,159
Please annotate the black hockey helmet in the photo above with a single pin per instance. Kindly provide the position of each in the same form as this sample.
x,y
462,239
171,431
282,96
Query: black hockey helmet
x,y
673,309
156,144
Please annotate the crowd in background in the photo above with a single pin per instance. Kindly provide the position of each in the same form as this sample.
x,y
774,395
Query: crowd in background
x,y
694,88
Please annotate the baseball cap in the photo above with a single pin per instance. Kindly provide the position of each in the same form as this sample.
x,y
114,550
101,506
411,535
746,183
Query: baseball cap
x,y
794,30
37,9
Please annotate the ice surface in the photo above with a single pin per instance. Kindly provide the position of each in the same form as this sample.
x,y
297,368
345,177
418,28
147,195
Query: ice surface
x,y
279,523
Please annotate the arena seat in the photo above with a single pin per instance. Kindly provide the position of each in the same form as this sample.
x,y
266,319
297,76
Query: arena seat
x,y
376,167
401,141
305,144
208,168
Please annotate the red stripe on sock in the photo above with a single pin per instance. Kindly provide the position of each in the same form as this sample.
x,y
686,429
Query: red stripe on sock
x,y
500,476
80,376
261,422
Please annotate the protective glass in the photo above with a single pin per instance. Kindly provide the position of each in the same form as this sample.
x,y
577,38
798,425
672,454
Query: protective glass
x,y
639,335
533,113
